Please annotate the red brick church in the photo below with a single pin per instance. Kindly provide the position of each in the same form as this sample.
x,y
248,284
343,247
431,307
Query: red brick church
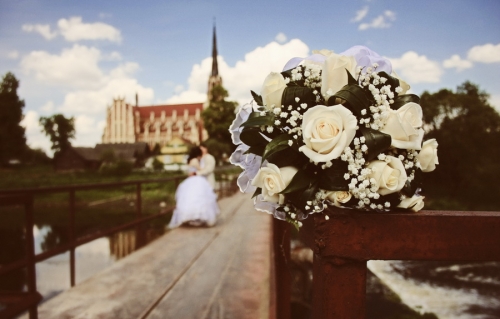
x,y
164,125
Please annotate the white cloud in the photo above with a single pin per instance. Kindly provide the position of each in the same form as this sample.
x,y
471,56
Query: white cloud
x,y
280,37
455,62
118,83
91,88
247,74
495,101
414,68
382,21
179,88
88,130
42,29
74,67
488,53
73,29
360,14
35,137
113,56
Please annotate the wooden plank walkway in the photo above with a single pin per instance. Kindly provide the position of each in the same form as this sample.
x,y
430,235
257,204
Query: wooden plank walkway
x,y
218,272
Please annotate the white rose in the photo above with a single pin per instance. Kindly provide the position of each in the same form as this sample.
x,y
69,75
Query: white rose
x,y
324,52
272,90
390,177
334,75
414,203
338,197
404,126
428,157
273,180
327,131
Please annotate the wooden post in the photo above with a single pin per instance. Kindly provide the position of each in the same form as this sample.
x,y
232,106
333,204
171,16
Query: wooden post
x,y
340,290
281,240
344,243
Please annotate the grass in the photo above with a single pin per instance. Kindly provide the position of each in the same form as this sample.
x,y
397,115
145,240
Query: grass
x,y
44,176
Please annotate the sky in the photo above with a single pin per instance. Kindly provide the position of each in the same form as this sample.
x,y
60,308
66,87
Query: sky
x,y
74,57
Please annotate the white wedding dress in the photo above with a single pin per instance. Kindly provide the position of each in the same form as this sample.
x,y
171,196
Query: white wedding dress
x,y
196,202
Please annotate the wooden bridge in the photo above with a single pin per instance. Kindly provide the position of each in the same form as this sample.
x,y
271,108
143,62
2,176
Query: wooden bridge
x,y
191,272
240,267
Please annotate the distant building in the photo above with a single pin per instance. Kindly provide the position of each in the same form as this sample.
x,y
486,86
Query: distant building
x,y
160,124
89,158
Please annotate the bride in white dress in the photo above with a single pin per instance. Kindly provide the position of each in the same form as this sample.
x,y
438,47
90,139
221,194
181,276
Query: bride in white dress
x,y
196,202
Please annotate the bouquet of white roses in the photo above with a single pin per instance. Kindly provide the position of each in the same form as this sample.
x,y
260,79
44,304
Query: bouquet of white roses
x,y
332,129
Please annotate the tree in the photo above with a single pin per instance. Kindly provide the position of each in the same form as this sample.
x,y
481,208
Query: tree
x,y
12,138
467,129
59,129
217,118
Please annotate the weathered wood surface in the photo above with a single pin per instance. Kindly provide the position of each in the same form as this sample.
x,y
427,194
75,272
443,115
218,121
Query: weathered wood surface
x,y
218,272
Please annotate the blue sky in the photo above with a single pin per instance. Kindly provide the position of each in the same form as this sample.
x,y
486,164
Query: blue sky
x,y
73,57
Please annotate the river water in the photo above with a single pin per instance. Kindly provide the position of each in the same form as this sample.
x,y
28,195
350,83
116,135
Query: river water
x,y
449,290
53,274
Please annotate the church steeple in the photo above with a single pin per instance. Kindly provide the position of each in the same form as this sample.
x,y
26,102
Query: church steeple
x,y
215,67
214,78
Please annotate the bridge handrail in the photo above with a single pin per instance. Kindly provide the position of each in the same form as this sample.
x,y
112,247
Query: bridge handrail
x,y
343,244
25,198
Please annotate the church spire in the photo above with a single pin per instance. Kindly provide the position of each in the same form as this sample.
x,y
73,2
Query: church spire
x,y
214,78
215,67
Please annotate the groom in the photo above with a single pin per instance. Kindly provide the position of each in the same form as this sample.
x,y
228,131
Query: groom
x,y
207,164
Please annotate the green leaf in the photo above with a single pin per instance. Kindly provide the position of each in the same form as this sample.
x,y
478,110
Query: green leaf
x,y
300,180
299,198
376,141
276,145
251,136
356,98
288,157
403,99
255,119
257,192
304,94
257,98
332,178
350,78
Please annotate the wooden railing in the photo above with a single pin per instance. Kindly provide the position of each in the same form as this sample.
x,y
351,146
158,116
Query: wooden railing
x,y
343,244
15,302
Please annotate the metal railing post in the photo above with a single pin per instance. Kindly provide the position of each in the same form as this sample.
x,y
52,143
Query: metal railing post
x,y
138,200
72,236
30,250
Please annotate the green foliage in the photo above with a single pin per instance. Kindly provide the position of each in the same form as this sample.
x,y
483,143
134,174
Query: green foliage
x,y
217,118
44,176
12,138
157,165
467,129
221,150
118,168
59,129
36,156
